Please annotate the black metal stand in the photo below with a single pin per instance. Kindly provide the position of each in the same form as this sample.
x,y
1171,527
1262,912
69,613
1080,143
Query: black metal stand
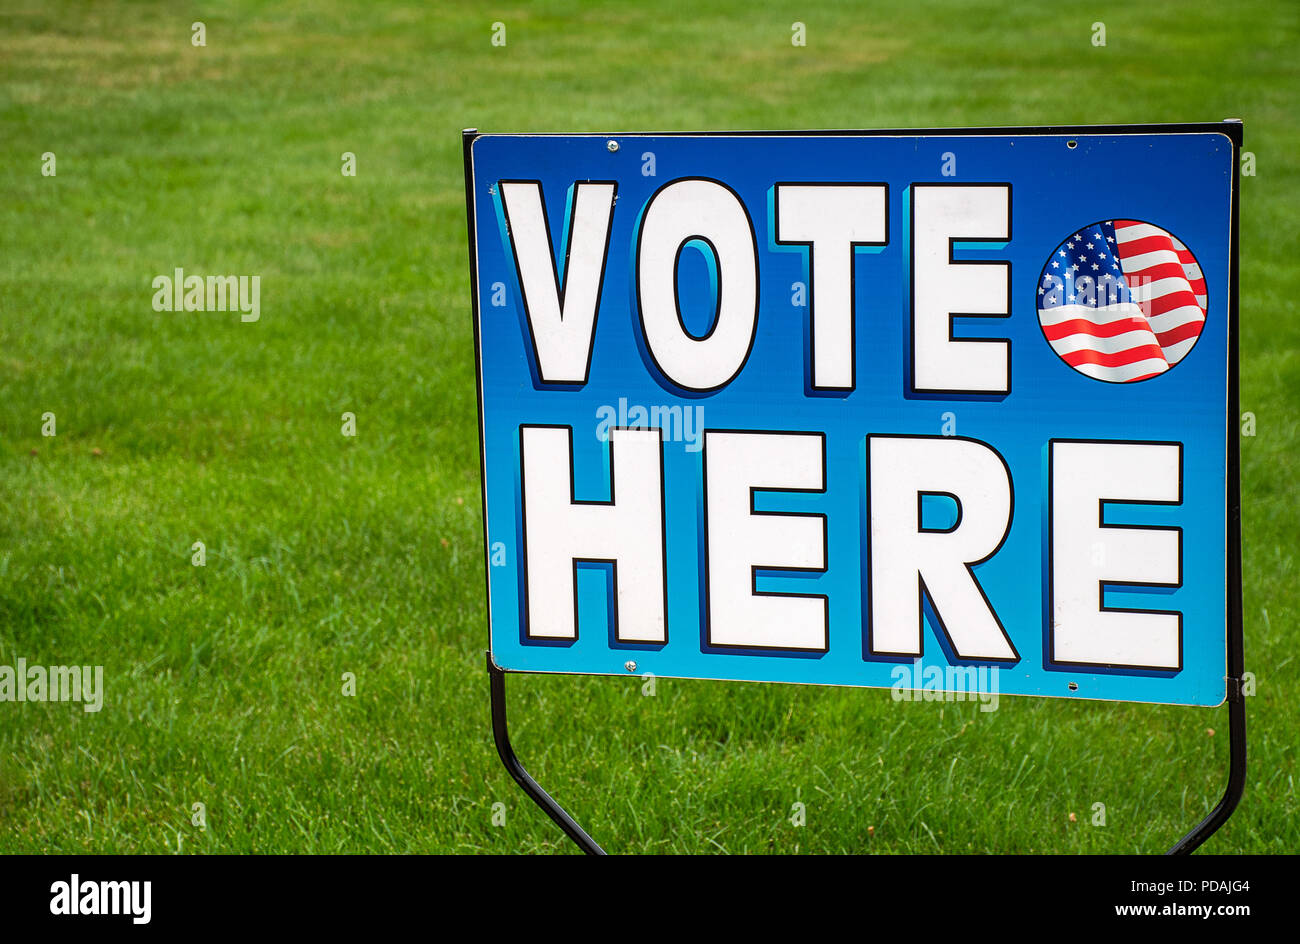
x,y
1236,774
501,733
1188,844
1236,623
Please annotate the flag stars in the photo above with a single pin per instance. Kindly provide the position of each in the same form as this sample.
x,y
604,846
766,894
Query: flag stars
x,y
1091,258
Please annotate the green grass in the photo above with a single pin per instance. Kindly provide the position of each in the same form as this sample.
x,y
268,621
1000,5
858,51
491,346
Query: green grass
x,y
329,555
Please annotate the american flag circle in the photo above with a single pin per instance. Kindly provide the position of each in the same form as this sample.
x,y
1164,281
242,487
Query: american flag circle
x,y
1122,301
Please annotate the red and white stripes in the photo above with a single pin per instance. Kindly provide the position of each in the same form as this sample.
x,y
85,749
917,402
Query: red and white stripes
x,y
1167,283
1136,339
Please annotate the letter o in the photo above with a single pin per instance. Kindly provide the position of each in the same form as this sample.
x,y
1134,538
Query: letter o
x,y
686,209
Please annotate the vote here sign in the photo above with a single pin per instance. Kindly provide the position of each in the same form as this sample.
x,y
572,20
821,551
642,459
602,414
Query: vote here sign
x,y
845,408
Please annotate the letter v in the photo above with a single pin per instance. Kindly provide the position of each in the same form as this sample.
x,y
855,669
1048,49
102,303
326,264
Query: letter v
x,y
560,307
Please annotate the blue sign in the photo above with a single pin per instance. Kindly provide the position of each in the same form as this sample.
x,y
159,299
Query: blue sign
x,y
943,412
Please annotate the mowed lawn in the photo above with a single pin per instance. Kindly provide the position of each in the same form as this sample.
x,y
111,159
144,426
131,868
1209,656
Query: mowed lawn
x,y
328,554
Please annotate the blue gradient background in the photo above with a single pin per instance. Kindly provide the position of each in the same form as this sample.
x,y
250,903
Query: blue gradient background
x,y
1182,182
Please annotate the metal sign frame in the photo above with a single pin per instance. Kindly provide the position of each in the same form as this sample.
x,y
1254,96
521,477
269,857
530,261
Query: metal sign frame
x,y
1233,130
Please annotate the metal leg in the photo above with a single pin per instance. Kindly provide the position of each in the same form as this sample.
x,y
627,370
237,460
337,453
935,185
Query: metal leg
x,y
1236,775
501,733
1236,632
1189,843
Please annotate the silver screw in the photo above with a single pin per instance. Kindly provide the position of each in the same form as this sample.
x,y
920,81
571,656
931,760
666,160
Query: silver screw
x,y
612,145
629,664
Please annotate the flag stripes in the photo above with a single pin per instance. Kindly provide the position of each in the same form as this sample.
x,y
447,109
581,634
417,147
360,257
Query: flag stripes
x,y
1122,301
